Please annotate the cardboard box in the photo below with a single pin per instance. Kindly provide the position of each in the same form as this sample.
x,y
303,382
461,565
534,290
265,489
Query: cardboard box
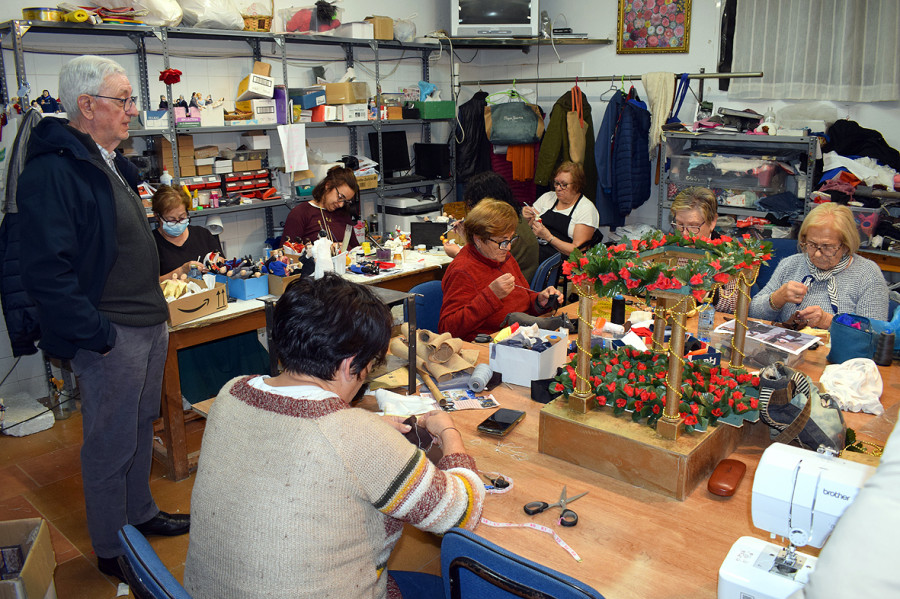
x,y
205,170
187,170
383,27
264,111
247,165
196,305
262,68
206,152
348,113
212,117
204,161
367,181
309,100
394,113
223,166
183,141
36,576
349,92
245,289
155,119
520,366
257,142
277,285
254,86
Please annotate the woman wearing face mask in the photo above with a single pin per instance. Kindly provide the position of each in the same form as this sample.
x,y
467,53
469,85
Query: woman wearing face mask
x,y
179,244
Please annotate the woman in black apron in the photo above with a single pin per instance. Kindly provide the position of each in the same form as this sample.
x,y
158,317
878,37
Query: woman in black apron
x,y
551,225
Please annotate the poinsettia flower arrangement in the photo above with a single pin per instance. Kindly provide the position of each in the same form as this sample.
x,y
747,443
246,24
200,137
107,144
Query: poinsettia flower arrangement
x,y
627,268
629,380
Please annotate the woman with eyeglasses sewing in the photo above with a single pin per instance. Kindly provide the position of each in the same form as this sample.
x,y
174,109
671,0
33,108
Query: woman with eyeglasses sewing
x,y
694,212
564,219
483,283
826,278
179,243
328,210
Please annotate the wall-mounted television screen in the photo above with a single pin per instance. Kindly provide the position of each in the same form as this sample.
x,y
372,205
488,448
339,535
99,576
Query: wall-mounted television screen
x,y
494,18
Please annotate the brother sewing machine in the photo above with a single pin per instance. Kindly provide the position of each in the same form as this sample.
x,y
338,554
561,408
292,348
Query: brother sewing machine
x,y
797,494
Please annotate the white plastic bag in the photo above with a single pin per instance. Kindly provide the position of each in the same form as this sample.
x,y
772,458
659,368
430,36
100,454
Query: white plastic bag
x,y
405,29
161,13
211,14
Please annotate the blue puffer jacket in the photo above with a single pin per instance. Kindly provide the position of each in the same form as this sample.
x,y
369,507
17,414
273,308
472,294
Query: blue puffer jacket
x,y
622,158
67,212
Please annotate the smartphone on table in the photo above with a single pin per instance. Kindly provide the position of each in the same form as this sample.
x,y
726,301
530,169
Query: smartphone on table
x,y
501,422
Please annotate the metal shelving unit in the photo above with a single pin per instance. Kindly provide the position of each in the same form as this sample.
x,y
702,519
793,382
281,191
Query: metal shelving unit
x,y
680,148
16,30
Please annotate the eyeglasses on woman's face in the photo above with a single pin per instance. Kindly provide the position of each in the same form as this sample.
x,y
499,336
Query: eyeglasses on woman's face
x,y
692,229
504,244
827,250
176,220
561,184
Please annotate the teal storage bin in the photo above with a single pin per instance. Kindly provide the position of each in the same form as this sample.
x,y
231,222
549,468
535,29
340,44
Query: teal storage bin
x,y
245,289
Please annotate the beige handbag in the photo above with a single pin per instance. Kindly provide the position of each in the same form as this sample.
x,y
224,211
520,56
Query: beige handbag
x,y
576,127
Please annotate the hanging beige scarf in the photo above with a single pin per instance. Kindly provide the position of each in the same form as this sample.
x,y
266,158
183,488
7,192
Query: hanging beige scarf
x,y
576,127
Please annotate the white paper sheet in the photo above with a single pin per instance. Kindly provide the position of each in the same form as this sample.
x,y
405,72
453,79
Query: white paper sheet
x,y
293,147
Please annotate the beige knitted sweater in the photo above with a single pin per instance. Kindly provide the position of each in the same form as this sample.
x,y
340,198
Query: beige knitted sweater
x,y
307,497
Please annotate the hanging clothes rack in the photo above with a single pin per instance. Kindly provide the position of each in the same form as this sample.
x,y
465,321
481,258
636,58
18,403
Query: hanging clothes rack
x,y
605,78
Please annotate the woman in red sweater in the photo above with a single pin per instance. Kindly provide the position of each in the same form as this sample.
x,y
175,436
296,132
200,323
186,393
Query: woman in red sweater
x,y
483,283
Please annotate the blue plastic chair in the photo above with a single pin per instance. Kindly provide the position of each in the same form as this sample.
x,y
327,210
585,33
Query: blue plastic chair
x,y
547,273
429,297
145,573
474,567
781,249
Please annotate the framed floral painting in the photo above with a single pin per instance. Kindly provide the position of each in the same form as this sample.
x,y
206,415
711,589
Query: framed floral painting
x,y
647,26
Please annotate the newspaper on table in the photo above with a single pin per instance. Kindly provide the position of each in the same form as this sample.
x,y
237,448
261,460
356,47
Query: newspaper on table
x,y
793,342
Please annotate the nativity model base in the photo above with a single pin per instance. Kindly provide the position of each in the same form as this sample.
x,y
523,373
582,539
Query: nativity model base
x,y
635,453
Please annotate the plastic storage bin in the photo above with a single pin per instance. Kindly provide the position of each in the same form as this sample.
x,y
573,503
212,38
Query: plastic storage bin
x,y
441,109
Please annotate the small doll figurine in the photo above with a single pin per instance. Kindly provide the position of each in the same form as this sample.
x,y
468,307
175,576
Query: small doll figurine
x,y
214,262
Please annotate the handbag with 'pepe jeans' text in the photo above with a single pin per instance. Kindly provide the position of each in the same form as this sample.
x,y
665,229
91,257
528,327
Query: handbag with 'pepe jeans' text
x,y
513,123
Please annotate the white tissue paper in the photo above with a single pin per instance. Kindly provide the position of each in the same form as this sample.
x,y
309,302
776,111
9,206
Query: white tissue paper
x,y
394,404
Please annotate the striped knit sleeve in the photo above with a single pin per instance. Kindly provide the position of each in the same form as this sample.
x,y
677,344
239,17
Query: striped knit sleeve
x,y
435,499
402,483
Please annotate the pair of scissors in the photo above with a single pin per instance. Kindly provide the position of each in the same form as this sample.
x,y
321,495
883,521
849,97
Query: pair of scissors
x,y
567,518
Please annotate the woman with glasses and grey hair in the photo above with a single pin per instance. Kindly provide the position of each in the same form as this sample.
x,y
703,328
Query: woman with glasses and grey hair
x,y
827,277
483,283
564,219
694,212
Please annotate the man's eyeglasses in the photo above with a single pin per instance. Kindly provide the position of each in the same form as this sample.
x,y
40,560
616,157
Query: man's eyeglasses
x,y
826,250
127,103
176,221
693,230
561,185
504,244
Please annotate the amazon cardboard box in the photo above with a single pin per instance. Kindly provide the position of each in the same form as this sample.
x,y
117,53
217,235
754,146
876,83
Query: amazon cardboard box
x,y
28,560
194,306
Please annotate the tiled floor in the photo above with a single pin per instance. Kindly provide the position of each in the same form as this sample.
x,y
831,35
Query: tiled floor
x,y
40,476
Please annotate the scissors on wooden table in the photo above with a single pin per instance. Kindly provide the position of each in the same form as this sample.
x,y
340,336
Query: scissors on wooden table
x,y
567,518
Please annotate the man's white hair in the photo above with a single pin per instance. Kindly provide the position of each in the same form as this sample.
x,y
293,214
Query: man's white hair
x,y
84,75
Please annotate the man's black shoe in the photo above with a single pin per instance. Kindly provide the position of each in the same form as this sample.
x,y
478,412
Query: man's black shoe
x,y
166,525
110,566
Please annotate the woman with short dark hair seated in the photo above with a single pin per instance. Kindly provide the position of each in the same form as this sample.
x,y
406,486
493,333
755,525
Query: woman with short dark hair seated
x,y
299,494
489,184
827,277
482,285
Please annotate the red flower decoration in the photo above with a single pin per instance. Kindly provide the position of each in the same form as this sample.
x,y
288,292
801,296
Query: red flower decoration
x,y
621,402
170,76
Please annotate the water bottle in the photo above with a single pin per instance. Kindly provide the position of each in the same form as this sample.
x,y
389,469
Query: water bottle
x,y
165,178
705,320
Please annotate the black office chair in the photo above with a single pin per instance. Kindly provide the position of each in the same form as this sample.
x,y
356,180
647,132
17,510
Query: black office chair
x,y
474,567
547,273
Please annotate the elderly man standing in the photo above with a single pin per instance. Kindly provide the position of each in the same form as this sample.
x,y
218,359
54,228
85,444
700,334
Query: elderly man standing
x,y
93,273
